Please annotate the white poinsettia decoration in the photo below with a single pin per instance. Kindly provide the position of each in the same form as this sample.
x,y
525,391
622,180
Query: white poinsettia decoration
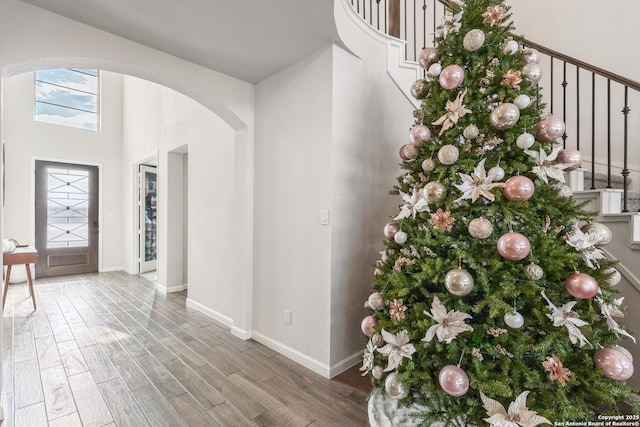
x,y
450,23
397,348
518,414
414,203
565,316
609,310
477,184
449,325
546,168
585,243
454,111
367,358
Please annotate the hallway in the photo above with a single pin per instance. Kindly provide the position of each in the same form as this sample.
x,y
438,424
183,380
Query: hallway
x,y
107,350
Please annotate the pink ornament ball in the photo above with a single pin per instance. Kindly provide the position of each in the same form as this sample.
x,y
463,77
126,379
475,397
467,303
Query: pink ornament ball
x,y
581,285
409,152
428,56
518,188
418,134
453,380
368,324
513,246
549,129
614,364
570,156
451,77
390,229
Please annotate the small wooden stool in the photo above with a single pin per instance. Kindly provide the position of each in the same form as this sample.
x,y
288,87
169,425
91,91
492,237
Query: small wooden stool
x,y
22,255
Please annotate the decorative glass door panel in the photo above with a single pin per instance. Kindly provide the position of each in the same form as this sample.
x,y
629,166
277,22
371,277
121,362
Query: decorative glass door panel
x,y
67,208
66,218
148,217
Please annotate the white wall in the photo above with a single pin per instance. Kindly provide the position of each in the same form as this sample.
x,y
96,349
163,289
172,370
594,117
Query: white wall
x,y
328,130
292,251
161,120
26,140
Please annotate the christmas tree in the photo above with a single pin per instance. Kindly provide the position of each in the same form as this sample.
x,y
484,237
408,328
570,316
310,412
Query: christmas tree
x,y
493,302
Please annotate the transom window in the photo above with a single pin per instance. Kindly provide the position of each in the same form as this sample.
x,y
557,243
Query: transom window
x,y
68,97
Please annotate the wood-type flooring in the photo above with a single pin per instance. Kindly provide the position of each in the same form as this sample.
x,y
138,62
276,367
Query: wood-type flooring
x,y
106,349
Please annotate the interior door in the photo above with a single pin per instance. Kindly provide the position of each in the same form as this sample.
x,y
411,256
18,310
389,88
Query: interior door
x,y
66,207
148,217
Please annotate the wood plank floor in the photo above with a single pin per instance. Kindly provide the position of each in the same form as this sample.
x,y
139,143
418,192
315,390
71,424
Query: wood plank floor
x,y
107,350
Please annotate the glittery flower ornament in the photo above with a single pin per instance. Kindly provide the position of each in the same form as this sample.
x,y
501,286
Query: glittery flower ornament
x,y
367,358
556,370
477,184
517,416
414,203
585,243
450,24
397,309
512,78
442,220
454,111
397,348
565,316
545,168
609,310
494,15
449,325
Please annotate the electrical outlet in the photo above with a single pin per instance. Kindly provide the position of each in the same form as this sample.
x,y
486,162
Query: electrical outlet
x,y
287,317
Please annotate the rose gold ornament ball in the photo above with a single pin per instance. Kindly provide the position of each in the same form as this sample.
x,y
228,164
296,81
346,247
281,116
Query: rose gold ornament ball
x,y
518,188
514,246
451,77
570,156
614,363
581,285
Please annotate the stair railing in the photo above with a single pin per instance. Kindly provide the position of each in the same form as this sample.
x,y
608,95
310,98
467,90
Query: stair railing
x,y
576,88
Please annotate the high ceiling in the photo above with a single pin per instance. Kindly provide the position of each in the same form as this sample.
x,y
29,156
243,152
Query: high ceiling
x,y
246,39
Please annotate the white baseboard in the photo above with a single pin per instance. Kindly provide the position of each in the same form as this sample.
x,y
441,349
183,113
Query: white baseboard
x,y
168,289
345,364
241,333
306,361
225,320
110,269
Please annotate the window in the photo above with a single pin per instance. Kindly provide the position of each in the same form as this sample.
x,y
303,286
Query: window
x,y
67,96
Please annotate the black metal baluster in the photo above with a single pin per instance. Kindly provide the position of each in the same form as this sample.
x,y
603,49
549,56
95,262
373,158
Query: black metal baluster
x,y
424,24
386,14
434,22
608,133
564,102
406,47
415,36
378,15
593,131
625,166
551,86
578,108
